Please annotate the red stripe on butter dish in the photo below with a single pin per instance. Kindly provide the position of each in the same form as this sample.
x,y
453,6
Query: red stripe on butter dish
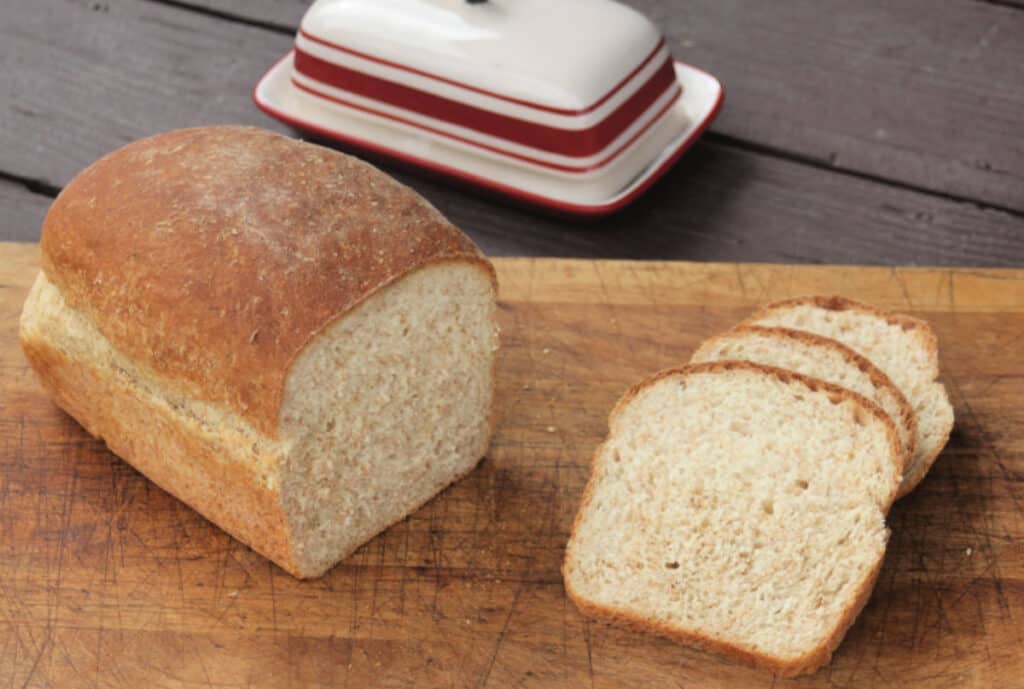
x,y
567,142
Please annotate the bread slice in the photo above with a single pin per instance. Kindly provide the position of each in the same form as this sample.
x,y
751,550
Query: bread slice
x,y
739,508
819,357
904,347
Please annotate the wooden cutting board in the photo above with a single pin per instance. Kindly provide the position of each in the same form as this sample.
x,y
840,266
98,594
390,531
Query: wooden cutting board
x,y
106,581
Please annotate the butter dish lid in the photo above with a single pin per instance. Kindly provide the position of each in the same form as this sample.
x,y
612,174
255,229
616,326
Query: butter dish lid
x,y
574,105
565,56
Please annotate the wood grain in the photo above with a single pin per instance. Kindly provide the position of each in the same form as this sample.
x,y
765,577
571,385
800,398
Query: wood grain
x,y
907,91
106,581
911,92
284,14
82,78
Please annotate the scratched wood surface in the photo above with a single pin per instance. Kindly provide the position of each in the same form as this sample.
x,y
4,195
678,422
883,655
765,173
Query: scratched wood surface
x,y
106,581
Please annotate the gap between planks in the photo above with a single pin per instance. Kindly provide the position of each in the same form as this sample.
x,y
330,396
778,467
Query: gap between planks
x,y
276,27
831,166
1012,4
36,186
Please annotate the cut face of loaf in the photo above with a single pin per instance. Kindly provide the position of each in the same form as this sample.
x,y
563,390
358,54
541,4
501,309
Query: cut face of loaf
x,y
818,357
904,348
282,336
381,412
738,508
391,406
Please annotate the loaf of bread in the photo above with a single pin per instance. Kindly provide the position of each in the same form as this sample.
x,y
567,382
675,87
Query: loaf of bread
x,y
739,508
905,348
280,335
819,357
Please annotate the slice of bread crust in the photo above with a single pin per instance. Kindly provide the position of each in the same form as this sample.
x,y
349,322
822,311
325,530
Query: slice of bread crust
x,y
904,347
872,501
819,357
812,661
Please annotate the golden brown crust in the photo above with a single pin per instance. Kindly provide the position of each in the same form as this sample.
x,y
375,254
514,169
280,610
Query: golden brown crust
x,y
813,659
877,377
835,302
172,456
921,465
786,376
805,664
212,256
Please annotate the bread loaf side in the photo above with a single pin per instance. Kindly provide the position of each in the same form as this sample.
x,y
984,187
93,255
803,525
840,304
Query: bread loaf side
x,y
280,335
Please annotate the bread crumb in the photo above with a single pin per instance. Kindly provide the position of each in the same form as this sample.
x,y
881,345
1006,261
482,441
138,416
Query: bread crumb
x,y
969,551
546,350
551,429
233,594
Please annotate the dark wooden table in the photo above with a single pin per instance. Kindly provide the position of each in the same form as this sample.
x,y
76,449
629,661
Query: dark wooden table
x,y
871,131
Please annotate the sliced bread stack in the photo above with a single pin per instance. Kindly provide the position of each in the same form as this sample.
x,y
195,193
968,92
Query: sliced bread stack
x,y
739,502
905,348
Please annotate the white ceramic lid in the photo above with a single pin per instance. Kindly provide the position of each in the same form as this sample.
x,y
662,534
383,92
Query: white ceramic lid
x,y
564,55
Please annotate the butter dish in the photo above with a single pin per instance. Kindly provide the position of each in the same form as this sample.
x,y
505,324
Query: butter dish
x,y
575,105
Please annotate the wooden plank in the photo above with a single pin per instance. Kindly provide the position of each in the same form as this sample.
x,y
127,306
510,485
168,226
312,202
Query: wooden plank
x,y
281,13
925,94
719,203
930,95
23,212
83,78
107,581
922,290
